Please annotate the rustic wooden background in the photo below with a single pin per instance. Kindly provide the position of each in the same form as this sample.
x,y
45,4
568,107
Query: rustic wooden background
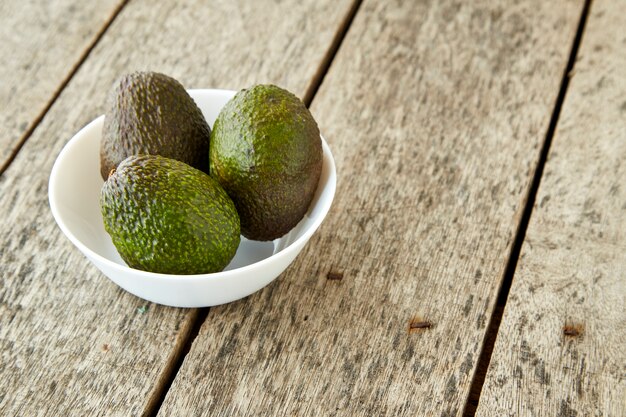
x,y
472,263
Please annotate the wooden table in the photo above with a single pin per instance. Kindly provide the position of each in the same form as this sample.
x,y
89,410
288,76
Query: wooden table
x,y
474,259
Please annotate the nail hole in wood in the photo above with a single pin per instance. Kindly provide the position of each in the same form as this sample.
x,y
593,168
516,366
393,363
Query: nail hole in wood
x,y
334,276
573,330
417,324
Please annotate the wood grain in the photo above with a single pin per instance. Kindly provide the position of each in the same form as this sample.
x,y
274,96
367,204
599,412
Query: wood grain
x,y
435,112
71,342
561,348
42,42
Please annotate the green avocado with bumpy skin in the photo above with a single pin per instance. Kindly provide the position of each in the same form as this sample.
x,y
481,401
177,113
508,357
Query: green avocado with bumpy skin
x,y
266,152
168,217
152,113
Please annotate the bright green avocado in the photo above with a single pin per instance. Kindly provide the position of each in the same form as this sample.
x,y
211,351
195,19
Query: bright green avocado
x,y
151,113
266,152
165,216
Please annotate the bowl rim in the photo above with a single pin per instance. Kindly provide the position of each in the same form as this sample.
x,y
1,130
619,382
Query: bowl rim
x,y
328,165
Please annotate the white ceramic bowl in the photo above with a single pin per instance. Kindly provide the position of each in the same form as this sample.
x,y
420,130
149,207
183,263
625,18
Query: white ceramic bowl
x,y
74,193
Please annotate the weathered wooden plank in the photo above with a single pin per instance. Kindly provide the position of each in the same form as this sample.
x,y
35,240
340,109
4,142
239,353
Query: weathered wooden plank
x,y
561,348
42,42
71,342
435,112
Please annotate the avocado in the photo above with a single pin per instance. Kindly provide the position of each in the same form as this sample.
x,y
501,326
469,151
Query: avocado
x,y
152,113
168,217
266,152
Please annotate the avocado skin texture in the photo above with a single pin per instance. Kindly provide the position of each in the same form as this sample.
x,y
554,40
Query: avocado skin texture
x,y
151,113
165,216
266,152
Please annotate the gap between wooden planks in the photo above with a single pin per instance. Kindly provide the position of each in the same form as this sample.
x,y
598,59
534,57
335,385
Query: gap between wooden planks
x,y
435,113
561,348
496,318
72,342
167,377
43,45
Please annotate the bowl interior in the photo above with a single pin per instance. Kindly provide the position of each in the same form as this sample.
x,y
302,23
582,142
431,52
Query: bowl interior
x,y
75,185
